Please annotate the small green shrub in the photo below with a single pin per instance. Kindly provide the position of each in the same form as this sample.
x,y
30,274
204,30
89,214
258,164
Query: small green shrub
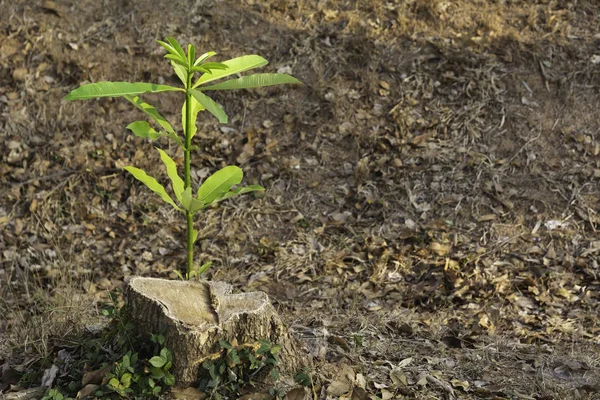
x,y
217,187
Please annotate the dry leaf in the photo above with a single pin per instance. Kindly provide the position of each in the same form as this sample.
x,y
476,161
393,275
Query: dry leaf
x,y
86,391
298,393
359,393
188,393
338,388
96,376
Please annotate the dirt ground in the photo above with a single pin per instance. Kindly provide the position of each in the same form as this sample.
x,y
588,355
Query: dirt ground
x,y
430,225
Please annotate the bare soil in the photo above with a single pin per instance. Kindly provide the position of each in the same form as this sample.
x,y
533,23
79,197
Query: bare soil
x,y
430,225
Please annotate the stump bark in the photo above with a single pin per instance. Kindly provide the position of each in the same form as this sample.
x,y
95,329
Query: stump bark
x,y
195,315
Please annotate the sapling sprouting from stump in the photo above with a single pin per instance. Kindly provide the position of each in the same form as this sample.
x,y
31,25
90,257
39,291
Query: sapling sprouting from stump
x,y
220,185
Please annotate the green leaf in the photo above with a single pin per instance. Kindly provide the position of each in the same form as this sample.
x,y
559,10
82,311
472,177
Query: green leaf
x,y
253,81
176,46
150,111
178,186
275,349
165,353
144,130
126,380
168,48
235,65
194,235
115,89
169,379
186,198
191,55
196,108
200,68
204,267
275,374
179,275
210,105
225,344
209,66
176,59
114,382
204,57
152,184
157,361
157,372
125,362
219,183
240,190
234,357
181,72
189,203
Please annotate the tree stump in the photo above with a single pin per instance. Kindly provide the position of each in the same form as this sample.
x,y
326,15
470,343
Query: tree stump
x,y
195,315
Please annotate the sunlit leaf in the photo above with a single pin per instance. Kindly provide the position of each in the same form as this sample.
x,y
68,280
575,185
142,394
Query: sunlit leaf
x,y
235,65
181,72
176,46
126,379
196,108
178,185
204,57
204,267
151,111
144,130
157,361
152,184
209,66
170,49
240,190
210,105
115,89
219,183
253,81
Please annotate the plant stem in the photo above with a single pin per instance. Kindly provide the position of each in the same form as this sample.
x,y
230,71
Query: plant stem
x,y
186,165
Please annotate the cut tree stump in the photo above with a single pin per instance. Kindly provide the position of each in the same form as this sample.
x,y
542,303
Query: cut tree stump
x,y
195,315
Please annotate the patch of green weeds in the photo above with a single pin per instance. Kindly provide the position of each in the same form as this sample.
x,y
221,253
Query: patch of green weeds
x,y
137,372
238,367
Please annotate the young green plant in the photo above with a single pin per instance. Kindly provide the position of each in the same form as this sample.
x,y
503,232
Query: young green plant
x,y
220,185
